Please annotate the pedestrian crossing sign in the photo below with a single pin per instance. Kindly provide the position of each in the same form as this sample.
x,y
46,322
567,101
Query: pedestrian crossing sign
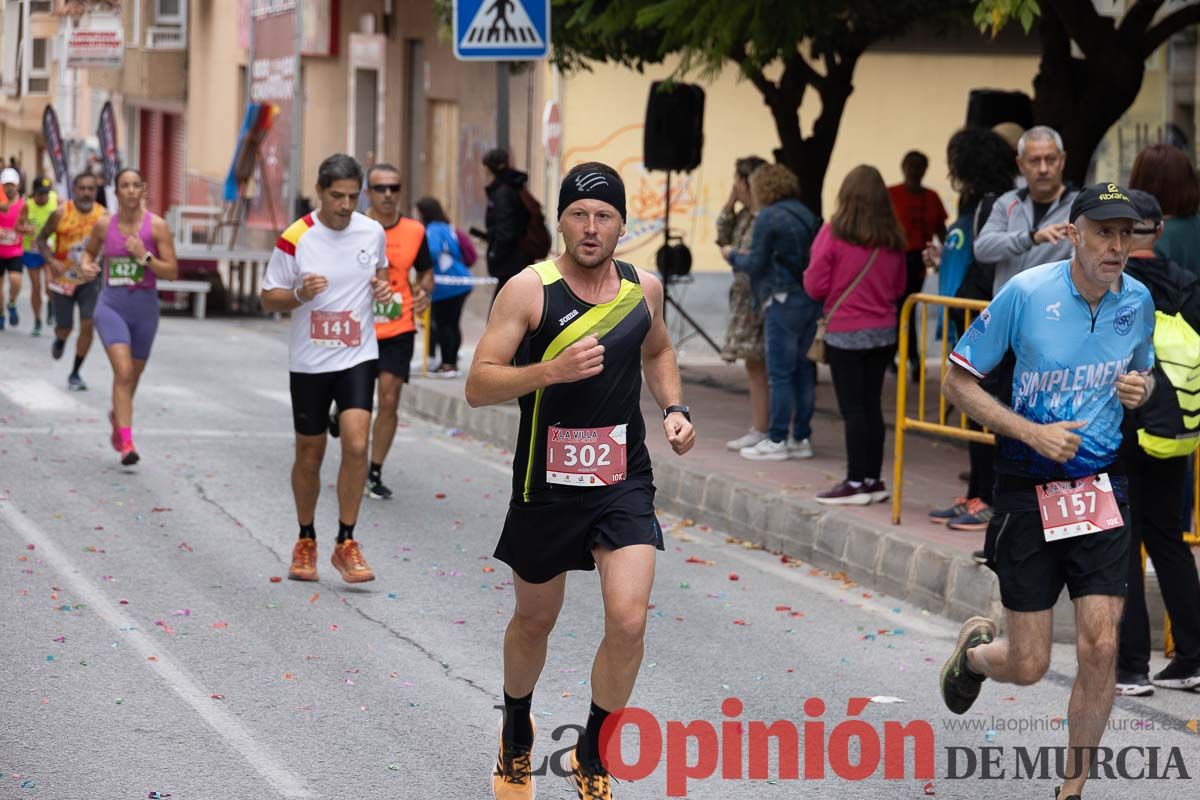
x,y
501,30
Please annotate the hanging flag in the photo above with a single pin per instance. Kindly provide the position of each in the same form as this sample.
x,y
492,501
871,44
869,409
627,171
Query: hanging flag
x,y
107,134
54,145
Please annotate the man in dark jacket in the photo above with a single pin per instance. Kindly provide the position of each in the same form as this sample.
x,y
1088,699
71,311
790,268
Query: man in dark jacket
x,y
1156,489
506,219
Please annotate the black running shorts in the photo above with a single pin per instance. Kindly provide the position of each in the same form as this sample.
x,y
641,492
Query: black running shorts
x,y
85,296
1032,571
543,539
313,393
395,354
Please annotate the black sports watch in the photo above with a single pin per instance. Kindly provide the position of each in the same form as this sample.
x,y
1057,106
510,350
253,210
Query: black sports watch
x,y
669,410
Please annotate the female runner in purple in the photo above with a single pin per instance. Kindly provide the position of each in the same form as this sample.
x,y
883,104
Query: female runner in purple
x,y
137,250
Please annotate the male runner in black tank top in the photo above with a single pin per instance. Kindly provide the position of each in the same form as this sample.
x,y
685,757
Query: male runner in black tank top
x,y
571,338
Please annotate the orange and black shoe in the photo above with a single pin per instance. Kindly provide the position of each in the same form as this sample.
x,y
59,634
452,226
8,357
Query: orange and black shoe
x,y
590,781
512,778
304,560
348,560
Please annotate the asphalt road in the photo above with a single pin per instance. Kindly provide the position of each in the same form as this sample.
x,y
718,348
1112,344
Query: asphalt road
x,y
144,647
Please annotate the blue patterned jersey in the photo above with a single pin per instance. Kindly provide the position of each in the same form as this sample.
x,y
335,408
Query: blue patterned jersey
x,y
1068,358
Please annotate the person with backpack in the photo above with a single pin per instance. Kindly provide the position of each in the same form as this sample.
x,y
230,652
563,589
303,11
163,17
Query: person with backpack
x,y
858,271
517,235
453,254
776,260
1159,438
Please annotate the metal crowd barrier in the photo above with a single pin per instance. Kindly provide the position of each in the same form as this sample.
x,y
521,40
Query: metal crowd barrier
x,y
904,422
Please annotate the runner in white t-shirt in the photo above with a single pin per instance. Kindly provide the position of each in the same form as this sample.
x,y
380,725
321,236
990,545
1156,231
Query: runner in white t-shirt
x,y
328,269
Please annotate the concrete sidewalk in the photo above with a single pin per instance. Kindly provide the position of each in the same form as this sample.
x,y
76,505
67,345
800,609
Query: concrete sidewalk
x,y
772,504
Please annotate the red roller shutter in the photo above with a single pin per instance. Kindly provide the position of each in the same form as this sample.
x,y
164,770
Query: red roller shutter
x,y
172,161
152,157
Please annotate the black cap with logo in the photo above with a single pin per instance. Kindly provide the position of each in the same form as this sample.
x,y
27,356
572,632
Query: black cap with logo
x,y
42,185
1104,201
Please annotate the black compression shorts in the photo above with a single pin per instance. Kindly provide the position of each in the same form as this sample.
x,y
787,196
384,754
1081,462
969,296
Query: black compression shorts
x,y
543,539
313,393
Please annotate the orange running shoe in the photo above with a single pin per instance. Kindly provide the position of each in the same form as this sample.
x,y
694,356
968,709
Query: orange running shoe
x,y
349,561
590,783
304,560
512,779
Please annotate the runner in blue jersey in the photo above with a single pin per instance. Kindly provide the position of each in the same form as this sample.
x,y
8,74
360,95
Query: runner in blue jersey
x,y
1078,334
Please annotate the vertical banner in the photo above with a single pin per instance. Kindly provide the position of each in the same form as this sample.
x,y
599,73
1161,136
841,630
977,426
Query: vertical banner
x,y
106,133
273,82
54,148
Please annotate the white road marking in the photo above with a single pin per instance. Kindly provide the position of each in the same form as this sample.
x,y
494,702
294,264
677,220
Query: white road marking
x,y
278,395
176,677
42,396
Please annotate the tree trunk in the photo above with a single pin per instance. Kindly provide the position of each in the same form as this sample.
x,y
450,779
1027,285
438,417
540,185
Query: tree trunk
x,y
809,157
1083,98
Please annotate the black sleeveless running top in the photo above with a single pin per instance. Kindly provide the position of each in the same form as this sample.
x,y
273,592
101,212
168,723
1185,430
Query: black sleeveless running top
x,y
610,398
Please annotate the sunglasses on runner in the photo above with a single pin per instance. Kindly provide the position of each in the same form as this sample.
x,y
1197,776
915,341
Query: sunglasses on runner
x,y
386,187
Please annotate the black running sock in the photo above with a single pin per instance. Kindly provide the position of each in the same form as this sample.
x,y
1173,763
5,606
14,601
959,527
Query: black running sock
x,y
344,532
518,727
374,473
589,753
78,364
308,532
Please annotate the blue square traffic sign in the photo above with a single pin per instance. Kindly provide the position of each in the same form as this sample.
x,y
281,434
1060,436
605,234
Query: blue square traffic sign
x,y
501,30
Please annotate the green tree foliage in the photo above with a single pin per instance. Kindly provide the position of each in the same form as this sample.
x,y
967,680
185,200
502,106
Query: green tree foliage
x,y
814,44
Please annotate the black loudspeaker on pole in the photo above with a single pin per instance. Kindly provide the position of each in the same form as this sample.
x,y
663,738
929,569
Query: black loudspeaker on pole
x,y
672,142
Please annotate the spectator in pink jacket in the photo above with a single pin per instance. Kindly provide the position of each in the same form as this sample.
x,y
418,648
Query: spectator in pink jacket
x,y
860,339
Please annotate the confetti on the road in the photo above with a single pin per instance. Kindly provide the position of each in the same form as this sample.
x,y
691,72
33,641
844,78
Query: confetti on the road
x,y
740,622
186,546
989,736
220,624
314,598
60,639
217,696
394,767
276,579
489,569
30,547
885,699
158,510
157,796
698,560
929,789
733,576
181,612
440,495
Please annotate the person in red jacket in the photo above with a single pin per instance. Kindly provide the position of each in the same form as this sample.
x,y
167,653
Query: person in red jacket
x,y
922,216
864,238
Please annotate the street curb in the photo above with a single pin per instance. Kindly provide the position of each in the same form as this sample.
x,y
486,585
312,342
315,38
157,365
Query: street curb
x,y
921,573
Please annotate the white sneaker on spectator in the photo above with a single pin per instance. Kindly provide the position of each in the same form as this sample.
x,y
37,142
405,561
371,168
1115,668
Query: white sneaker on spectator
x,y
766,450
753,437
799,448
